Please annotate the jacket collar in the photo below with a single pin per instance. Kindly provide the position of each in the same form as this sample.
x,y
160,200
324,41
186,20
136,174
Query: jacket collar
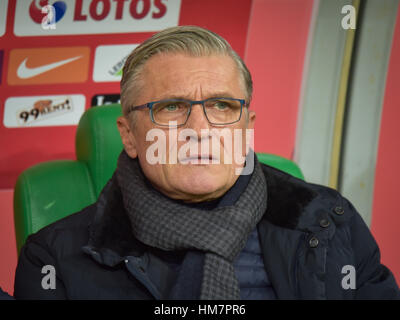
x,y
287,198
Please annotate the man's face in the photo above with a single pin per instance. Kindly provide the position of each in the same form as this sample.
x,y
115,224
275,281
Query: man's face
x,y
166,76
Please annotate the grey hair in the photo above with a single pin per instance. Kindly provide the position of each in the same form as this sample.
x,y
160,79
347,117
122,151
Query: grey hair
x,y
191,40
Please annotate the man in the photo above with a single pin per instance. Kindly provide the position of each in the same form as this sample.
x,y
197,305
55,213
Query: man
x,y
182,219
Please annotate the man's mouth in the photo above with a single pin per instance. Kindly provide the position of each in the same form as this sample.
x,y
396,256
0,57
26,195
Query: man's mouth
x,y
199,159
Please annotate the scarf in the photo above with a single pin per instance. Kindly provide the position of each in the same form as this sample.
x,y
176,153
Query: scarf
x,y
220,233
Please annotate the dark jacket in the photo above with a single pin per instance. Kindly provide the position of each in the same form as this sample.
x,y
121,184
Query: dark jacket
x,y
5,296
313,241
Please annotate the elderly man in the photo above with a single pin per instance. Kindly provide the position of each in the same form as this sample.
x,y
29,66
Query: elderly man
x,y
186,220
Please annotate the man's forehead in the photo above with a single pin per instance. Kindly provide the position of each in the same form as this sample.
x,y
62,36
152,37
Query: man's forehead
x,y
182,76
178,62
188,95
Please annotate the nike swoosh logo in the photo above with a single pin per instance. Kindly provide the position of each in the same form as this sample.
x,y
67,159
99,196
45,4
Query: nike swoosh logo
x,y
25,73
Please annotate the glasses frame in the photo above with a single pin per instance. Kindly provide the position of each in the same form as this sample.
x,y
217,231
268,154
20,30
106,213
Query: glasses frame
x,y
149,105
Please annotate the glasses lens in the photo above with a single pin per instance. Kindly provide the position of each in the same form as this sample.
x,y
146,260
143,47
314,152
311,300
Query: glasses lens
x,y
222,110
170,110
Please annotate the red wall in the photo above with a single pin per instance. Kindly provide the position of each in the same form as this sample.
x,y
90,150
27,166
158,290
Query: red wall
x,y
8,247
386,206
275,52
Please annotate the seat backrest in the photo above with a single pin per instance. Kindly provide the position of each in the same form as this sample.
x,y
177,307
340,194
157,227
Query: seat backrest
x,y
98,143
280,163
52,190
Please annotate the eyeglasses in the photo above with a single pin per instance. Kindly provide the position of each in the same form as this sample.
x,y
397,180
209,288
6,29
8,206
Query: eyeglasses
x,y
218,111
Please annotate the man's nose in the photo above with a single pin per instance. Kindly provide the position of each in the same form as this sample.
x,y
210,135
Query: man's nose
x,y
197,119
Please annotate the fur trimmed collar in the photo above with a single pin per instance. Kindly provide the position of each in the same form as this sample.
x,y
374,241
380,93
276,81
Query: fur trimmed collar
x,y
287,198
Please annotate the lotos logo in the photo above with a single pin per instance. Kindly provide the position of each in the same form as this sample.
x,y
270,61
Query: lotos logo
x,y
101,9
48,65
95,16
37,15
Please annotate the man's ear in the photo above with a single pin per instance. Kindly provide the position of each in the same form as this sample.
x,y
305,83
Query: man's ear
x,y
251,119
127,136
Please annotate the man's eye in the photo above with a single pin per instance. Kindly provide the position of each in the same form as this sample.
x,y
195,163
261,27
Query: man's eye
x,y
220,105
171,107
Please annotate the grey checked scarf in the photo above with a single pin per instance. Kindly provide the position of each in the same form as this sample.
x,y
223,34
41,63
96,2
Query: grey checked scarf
x,y
220,233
